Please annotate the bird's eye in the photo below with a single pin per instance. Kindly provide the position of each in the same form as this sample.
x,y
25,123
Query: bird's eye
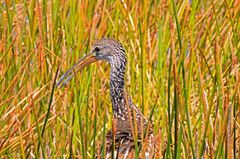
x,y
97,49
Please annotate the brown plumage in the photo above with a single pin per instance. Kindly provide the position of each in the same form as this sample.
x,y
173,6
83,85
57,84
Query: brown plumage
x,y
130,128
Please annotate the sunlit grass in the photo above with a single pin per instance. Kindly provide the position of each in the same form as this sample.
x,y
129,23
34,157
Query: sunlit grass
x,y
183,64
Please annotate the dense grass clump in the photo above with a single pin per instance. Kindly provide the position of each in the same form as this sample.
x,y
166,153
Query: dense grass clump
x,y
183,65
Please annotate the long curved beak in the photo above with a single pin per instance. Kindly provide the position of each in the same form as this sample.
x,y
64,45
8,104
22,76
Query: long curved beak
x,y
83,62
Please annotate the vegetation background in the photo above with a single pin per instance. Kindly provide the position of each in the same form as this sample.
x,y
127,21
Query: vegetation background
x,y
183,65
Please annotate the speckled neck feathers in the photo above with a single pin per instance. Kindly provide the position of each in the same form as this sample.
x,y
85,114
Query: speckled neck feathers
x,y
118,66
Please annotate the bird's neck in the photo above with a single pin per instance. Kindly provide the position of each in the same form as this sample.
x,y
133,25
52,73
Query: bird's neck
x,y
117,88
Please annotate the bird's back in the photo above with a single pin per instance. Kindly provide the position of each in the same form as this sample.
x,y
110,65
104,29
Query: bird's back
x,y
129,134
125,147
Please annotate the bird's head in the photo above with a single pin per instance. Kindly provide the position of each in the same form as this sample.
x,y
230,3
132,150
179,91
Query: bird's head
x,y
105,49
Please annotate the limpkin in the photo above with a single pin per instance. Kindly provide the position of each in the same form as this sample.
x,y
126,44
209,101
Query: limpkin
x,y
131,129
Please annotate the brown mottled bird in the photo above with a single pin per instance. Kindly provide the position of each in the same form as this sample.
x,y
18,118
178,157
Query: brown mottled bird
x,y
130,130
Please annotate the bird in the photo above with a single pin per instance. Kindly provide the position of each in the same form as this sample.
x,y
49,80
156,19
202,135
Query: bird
x,y
130,130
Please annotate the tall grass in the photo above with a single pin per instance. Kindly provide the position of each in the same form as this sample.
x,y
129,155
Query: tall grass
x,y
182,71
